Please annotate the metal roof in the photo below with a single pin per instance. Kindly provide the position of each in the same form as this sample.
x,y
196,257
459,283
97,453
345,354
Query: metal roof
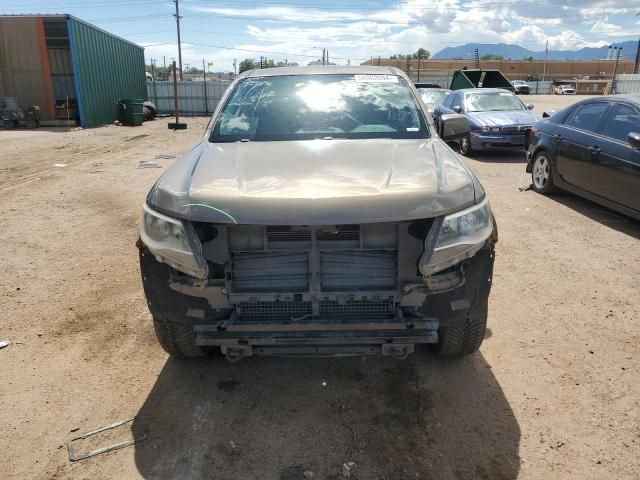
x,y
67,16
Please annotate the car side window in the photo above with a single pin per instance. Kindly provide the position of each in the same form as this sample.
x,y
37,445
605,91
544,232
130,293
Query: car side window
x,y
449,100
620,122
457,101
587,117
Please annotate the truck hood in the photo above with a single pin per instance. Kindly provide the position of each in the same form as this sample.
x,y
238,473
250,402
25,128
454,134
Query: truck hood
x,y
315,182
501,119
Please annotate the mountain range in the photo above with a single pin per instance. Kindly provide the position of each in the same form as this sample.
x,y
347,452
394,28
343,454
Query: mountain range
x,y
516,52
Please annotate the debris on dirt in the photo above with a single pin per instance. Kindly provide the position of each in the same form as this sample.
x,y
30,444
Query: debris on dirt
x,y
165,156
60,165
136,137
71,446
525,189
148,164
347,468
73,430
324,384
4,343
117,123
308,474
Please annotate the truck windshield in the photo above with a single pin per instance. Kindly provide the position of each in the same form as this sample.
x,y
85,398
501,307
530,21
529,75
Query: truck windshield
x,y
493,102
303,107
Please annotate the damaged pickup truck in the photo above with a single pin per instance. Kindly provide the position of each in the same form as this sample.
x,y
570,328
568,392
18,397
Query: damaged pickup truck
x,y
320,214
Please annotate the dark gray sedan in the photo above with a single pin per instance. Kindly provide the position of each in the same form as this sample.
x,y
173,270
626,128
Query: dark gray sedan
x,y
592,149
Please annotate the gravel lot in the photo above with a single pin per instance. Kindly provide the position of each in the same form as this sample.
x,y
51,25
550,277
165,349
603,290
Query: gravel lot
x,y
553,393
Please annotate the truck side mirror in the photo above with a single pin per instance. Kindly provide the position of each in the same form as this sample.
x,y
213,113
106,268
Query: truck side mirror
x,y
529,106
457,109
453,126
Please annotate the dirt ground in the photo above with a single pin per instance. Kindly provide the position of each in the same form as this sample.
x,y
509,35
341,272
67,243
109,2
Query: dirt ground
x,y
553,393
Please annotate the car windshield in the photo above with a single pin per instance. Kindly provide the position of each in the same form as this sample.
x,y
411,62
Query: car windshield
x,y
492,102
303,107
434,97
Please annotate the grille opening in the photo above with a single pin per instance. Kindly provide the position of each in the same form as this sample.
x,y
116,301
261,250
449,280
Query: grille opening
x,y
340,233
357,309
299,311
284,233
273,311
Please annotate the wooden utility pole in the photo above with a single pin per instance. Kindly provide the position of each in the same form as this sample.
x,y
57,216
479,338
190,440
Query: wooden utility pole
x,y
178,17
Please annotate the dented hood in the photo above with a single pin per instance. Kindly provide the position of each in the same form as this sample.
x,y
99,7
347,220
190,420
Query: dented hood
x,y
321,182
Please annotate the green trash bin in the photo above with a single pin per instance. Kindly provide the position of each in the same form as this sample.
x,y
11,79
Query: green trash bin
x,y
131,111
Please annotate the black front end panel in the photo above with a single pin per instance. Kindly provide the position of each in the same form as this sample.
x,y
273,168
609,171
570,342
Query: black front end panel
x,y
326,290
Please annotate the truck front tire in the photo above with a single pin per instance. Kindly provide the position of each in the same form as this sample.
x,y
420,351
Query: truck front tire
x,y
177,339
465,339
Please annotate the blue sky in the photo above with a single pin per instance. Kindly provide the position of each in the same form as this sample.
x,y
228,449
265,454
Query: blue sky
x,y
351,30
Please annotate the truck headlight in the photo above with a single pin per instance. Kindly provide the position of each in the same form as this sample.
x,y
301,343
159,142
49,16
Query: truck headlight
x,y
461,236
173,242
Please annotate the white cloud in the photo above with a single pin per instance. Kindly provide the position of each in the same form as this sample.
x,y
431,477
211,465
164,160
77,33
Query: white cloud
x,y
358,33
613,30
288,14
568,40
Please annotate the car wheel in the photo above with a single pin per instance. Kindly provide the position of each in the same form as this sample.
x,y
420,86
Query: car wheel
x,y
541,174
465,146
177,339
464,340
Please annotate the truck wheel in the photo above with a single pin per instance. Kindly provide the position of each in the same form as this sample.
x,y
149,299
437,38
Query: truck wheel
x,y
465,146
177,339
458,341
542,174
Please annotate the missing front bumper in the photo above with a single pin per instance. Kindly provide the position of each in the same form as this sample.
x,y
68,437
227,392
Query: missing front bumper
x,y
395,338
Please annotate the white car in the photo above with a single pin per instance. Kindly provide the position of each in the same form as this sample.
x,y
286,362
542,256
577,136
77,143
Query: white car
x,y
565,90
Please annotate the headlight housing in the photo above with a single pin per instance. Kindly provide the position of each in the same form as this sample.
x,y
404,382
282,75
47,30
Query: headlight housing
x,y
461,235
173,242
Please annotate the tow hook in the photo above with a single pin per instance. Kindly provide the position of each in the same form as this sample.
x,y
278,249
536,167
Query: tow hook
x,y
236,353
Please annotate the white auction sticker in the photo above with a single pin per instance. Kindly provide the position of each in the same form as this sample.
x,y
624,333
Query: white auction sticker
x,y
376,78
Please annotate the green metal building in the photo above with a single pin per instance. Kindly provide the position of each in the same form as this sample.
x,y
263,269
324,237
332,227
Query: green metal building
x,y
71,69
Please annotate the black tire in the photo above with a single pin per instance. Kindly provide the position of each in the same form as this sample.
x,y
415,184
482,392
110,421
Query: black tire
x,y
465,146
177,339
146,114
542,173
459,341
152,108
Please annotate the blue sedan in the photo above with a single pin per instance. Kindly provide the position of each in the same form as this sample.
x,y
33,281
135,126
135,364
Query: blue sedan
x,y
498,119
